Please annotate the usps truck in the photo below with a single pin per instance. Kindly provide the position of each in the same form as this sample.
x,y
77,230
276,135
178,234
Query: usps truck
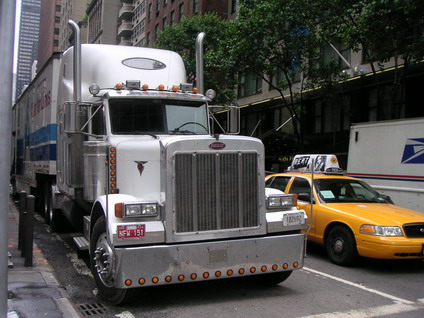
x,y
389,155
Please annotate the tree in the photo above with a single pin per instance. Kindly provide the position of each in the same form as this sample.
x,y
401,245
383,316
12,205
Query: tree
x,y
181,38
382,29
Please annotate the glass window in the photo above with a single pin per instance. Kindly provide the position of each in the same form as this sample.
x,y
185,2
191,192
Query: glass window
x,y
278,182
145,116
300,185
344,190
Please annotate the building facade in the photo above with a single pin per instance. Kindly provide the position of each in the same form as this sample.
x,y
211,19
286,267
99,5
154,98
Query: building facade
x,y
28,44
103,21
74,10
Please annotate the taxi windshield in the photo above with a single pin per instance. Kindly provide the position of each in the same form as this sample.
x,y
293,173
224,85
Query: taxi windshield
x,y
345,190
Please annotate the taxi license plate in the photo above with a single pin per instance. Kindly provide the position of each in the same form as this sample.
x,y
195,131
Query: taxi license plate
x,y
131,231
293,218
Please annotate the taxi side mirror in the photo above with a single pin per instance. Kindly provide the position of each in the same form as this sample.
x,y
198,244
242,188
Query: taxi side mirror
x,y
304,196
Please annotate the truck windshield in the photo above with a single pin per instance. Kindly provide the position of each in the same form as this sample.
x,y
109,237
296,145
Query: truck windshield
x,y
157,116
344,190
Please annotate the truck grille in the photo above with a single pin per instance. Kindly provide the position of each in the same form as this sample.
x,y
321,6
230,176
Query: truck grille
x,y
414,229
215,191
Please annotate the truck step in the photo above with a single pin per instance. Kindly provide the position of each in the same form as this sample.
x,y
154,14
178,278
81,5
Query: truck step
x,y
82,245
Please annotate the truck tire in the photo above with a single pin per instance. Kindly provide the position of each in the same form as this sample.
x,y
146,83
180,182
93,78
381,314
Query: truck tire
x,y
341,246
101,263
270,279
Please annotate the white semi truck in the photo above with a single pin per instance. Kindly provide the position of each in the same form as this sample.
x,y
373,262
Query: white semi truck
x,y
113,139
389,155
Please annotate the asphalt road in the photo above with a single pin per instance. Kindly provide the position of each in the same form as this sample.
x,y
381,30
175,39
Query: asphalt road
x,y
373,288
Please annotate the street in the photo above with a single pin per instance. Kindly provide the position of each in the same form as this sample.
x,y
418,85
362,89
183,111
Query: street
x,y
321,289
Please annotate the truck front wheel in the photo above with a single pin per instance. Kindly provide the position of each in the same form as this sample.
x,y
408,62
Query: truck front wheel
x,y
102,266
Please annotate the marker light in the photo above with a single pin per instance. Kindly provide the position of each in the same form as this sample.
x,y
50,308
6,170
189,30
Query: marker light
x,y
128,282
141,281
119,86
145,87
174,88
195,90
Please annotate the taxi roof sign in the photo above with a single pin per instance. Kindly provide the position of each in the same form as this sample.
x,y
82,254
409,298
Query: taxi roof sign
x,y
324,163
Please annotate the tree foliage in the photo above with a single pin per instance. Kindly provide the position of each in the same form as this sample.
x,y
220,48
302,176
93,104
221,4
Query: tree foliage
x,y
181,38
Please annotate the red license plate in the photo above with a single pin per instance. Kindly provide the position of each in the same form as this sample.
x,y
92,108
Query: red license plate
x,y
131,231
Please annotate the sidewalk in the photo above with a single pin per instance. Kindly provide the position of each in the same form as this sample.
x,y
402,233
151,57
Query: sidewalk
x,y
33,291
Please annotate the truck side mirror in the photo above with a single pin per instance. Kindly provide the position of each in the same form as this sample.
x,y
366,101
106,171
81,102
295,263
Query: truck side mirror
x,y
304,196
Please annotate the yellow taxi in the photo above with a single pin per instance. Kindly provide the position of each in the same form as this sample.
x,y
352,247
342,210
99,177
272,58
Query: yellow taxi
x,y
350,218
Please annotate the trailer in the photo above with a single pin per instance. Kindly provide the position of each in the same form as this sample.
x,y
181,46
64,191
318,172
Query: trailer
x,y
113,139
389,155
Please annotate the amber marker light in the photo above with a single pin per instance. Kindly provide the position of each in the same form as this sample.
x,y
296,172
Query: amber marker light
x,y
195,90
155,280
264,268
161,87
285,265
274,267
119,86
205,275
168,279
241,271
128,282
193,276
252,270
145,87
230,272
119,210
174,88
295,264
218,274
141,281
181,278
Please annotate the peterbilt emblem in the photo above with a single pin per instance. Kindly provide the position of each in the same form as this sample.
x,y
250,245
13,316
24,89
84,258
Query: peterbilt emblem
x,y
140,166
217,145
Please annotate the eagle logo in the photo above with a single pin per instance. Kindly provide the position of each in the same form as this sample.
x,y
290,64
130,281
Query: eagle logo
x,y
140,166
413,151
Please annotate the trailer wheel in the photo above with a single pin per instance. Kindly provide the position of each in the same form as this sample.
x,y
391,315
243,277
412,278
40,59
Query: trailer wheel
x,y
341,246
102,266
55,217
270,279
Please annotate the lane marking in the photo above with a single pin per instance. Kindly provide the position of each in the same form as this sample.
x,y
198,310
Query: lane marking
x,y
368,312
370,290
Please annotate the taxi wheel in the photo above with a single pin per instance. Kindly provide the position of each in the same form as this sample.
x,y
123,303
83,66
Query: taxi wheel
x,y
341,246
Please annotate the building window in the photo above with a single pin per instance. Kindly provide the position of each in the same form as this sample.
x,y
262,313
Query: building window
x,y
277,78
249,85
165,2
163,23
181,12
149,12
157,6
195,6
156,31
172,18
330,56
233,6
317,116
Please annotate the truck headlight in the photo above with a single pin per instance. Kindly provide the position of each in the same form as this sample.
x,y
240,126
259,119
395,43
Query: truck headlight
x,y
136,209
281,201
380,230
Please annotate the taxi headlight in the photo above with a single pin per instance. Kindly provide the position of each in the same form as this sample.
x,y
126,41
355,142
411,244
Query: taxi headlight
x,y
281,201
379,230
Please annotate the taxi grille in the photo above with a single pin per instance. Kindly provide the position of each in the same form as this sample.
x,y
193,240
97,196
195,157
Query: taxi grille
x,y
414,229
215,191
